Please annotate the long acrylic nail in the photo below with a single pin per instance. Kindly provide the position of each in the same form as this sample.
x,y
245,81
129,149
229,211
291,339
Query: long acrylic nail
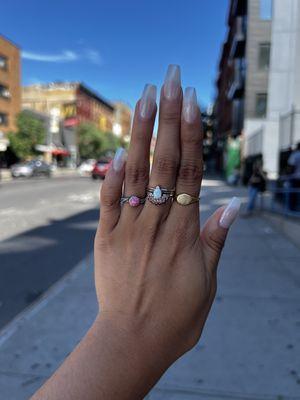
x,y
189,108
172,82
230,213
148,101
119,159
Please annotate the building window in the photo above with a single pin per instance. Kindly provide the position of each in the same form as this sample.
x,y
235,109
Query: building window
x,y
266,9
264,55
3,62
261,105
4,92
3,119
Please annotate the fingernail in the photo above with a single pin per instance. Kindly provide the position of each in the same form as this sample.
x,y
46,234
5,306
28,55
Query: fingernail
x,y
189,108
148,101
119,159
230,213
172,82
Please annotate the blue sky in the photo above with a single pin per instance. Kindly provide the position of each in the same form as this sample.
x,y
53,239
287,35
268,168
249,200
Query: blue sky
x,y
116,46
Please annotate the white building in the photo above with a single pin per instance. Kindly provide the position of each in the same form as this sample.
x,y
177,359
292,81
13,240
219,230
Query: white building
x,y
279,132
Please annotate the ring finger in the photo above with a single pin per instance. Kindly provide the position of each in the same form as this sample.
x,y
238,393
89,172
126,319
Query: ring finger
x,y
137,166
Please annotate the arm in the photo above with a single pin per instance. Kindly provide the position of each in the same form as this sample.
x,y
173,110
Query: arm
x,y
155,269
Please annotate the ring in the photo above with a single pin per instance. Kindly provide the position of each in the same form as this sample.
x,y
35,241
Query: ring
x,y
185,199
133,201
158,195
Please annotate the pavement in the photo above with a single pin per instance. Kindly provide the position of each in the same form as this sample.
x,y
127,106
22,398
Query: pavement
x,y
250,346
47,228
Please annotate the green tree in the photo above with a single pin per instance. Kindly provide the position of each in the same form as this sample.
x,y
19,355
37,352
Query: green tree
x,y
30,132
94,143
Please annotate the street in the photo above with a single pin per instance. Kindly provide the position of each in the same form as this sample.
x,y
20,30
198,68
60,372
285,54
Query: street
x,y
250,345
47,227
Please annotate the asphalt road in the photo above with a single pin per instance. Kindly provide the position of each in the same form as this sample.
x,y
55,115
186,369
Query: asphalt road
x,y
46,228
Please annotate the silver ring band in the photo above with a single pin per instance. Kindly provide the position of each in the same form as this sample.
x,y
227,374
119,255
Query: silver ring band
x,y
158,195
133,200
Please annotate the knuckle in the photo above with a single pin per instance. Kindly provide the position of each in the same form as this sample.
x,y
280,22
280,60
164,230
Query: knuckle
x,y
108,199
215,242
170,116
136,174
166,165
190,172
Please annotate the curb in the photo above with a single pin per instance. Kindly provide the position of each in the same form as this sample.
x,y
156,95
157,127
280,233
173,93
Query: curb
x,y
28,313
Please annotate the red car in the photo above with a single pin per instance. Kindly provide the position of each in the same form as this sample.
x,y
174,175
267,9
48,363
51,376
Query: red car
x,y
100,168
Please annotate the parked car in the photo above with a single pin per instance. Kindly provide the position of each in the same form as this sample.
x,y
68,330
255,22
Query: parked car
x,y
86,167
31,168
100,168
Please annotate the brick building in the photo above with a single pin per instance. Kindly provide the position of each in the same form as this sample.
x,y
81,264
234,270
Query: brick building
x,y
10,88
72,102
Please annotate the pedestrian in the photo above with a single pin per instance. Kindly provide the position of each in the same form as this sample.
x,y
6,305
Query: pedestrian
x,y
294,161
155,271
257,184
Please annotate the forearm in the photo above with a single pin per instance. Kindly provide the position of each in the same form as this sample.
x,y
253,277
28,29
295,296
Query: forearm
x,y
109,363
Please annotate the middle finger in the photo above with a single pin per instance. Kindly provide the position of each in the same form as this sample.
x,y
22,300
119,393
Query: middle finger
x,y
167,150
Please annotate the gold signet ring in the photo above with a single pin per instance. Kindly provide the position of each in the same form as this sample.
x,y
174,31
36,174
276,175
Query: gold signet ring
x,y
185,199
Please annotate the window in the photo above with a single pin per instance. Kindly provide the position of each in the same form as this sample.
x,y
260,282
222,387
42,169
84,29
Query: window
x,y
266,9
261,105
3,119
3,62
4,92
264,55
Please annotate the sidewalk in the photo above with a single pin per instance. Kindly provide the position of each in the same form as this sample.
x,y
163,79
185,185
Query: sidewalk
x,y
250,348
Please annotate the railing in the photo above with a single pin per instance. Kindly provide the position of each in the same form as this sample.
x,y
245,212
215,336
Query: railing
x,y
281,201
289,129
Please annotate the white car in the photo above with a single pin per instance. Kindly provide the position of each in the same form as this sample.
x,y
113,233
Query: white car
x,y
86,167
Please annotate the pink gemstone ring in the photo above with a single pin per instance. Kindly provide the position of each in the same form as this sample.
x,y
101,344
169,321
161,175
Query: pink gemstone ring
x,y
133,201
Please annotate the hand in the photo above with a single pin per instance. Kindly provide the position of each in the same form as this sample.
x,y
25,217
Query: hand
x,y
155,272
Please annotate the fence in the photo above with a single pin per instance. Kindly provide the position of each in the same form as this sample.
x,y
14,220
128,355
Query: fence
x,y
289,129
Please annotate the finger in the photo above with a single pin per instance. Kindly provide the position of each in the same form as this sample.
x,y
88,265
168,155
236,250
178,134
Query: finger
x,y
111,192
137,165
214,233
191,166
167,151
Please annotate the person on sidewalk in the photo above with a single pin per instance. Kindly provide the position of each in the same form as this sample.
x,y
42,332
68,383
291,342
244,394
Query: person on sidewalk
x,y
155,269
257,184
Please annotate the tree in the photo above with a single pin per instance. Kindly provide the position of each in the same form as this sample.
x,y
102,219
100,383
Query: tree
x,y
30,132
94,143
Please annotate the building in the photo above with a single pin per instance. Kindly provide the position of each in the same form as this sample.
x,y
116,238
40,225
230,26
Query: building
x,y
242,84
10,88
122,120
72,102
276,136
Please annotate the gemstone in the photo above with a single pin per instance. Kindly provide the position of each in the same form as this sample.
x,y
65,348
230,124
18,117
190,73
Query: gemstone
x,y
157,193
134,201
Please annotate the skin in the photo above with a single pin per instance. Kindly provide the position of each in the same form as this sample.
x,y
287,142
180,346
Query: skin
x,y
155,269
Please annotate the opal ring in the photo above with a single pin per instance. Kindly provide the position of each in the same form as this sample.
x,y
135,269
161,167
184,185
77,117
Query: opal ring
x,y
185,199
158,195
133,201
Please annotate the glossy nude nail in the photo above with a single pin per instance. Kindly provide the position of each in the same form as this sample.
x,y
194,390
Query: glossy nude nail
x,y
172,82
190,106
230,213
119,159
148,101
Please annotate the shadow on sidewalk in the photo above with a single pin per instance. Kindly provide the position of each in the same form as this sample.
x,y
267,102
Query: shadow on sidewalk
x,y
31,262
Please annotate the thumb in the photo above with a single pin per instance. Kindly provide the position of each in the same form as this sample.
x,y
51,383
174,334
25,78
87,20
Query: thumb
x,y
215,230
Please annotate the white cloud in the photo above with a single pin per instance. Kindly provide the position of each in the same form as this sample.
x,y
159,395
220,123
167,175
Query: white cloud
x,y
93,56
65,56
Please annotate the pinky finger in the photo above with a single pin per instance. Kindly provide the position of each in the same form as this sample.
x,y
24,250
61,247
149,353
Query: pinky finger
x,y
111,192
